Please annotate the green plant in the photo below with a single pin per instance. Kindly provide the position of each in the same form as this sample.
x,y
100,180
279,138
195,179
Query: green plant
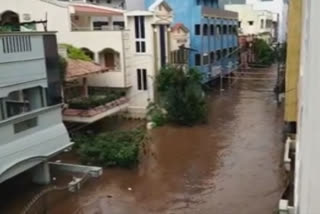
x,y
94,100
263,52
75,53
156,114
63,68
181,95
120,148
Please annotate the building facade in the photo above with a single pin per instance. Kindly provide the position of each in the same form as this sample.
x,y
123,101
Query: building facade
x,y
120,4
293,66
31,127
307,172
131,45
259,23
279,7
213,34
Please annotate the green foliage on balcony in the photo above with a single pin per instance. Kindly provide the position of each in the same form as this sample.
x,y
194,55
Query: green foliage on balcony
x,y
119,148
93,101
75,53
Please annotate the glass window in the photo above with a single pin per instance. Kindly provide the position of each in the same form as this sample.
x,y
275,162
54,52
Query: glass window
x,y
197,59
205,29
142,79
140,34
197,29
212,57
25,125
212,30
205,59
19,102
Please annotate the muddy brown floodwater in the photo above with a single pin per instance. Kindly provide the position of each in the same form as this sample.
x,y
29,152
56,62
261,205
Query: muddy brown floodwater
x,y
231,165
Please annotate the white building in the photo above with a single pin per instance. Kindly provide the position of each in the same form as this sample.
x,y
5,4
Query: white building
x,y
255,22
307,186
279,7
121,4
132,45
31,127
151,49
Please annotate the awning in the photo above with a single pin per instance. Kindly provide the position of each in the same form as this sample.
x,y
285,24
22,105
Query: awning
x,y
96,11
80,68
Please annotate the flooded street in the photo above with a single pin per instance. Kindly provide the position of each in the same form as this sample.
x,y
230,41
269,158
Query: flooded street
x,y
231,165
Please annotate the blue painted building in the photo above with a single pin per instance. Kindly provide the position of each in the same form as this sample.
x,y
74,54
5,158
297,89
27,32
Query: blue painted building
x,y
213,34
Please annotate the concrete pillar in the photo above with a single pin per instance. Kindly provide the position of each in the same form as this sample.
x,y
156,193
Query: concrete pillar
x,y
41,174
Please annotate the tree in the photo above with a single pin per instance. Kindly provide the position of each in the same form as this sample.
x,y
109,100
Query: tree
x,y
180,93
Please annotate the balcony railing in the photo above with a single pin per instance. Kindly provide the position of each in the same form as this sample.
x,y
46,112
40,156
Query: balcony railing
x,y
102,28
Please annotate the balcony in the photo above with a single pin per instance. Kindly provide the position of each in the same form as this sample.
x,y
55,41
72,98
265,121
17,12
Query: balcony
x,y
30,138
94,107
22,52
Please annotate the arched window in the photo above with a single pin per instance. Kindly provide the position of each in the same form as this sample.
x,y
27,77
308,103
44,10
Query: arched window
x,y
205,29
9,20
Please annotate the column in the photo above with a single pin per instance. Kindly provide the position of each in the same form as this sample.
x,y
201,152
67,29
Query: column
x,y
41,174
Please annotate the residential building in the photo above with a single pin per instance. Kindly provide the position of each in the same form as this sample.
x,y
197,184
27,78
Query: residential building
x,y
293,66
31,127
303,80
307,187
180,45
278,7
213,33
150,49
120,4
259,23
131,45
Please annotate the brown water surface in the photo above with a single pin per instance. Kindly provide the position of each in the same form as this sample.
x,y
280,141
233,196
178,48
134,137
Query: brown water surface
x,y
232,165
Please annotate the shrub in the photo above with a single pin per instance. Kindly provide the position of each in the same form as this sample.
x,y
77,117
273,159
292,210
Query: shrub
x,y
94,100
263,52
120,148
181,95
156,114
76,53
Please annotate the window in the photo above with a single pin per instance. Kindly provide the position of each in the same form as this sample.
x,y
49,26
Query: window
x,y
218,54
109,61
218,28
205,59
140,34
16,44
198,59
230,29
225,52
142,79
197,29
212,57
231,52
250,23
239,24
25,125
225,29
179,56
212,30
262,24
235,30
205,29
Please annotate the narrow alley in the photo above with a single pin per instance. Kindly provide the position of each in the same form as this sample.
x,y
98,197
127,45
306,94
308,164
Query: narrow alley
x,y
231,165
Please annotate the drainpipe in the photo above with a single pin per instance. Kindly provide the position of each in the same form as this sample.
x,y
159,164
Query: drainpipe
x,y
123,67
169,44
155,49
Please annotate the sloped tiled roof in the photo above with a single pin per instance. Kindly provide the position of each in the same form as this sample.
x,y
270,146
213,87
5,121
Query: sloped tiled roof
x,y
79,68
180,26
